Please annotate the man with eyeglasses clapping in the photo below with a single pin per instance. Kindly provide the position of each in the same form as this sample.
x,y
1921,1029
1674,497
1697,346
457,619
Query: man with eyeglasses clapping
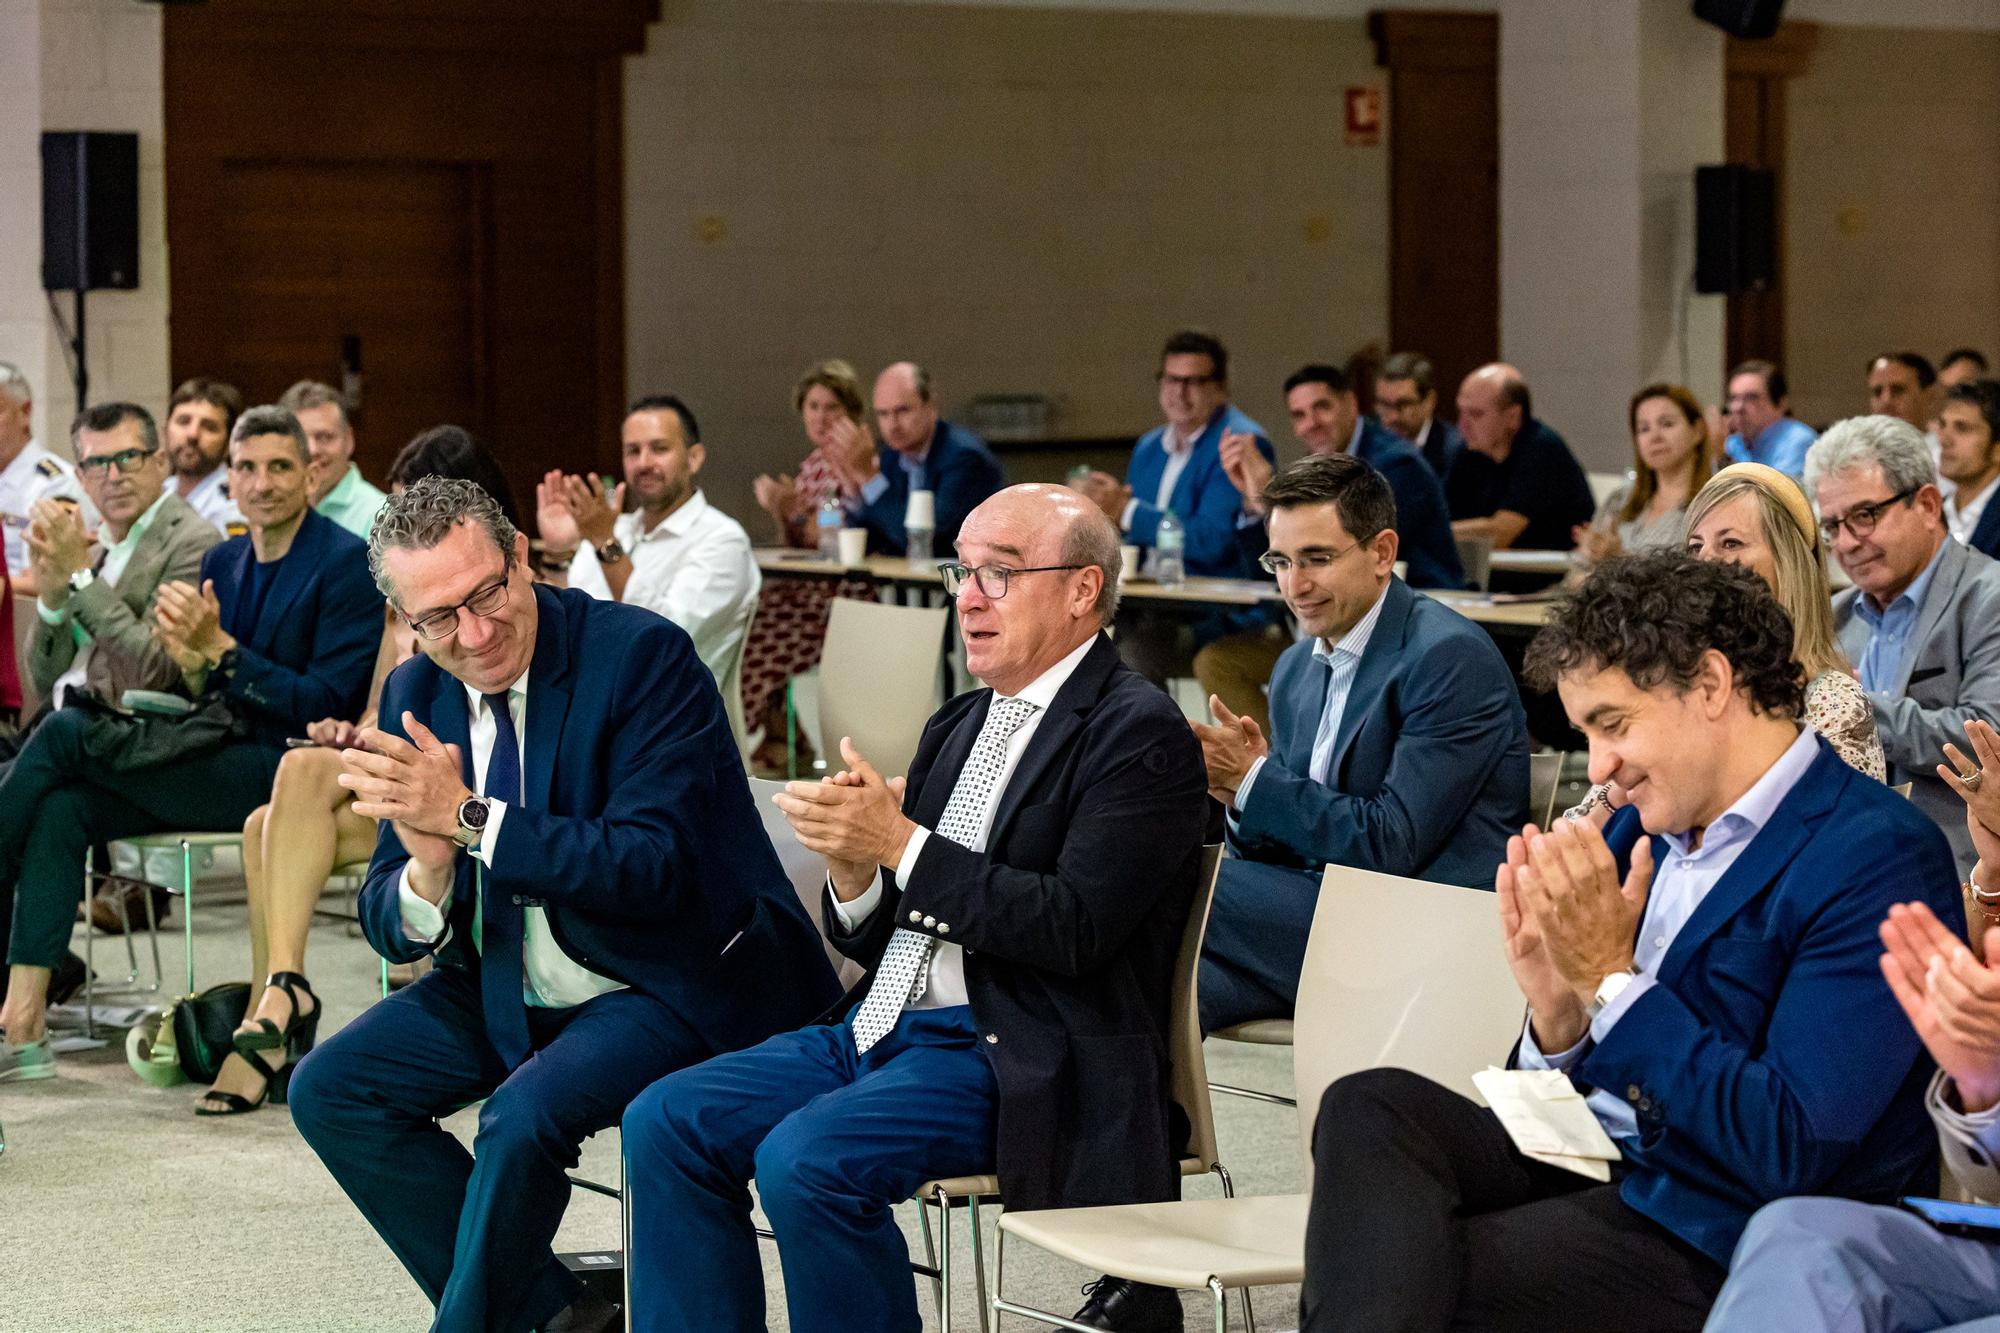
x,y
1922,622
1399,742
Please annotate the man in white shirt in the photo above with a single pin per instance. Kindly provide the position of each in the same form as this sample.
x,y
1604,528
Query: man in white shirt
x,y
200,419
566,827
1968,433
1718,1000
674,554
28,473
1019,906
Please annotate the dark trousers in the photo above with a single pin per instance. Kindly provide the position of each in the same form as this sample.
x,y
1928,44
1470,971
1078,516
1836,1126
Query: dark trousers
x,y
474,1228
1425,1217
833,1140
1255,947
55,803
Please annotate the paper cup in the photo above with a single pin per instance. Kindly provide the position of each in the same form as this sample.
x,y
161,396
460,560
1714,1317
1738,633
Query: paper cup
x,y
853,546
1128,562
922,510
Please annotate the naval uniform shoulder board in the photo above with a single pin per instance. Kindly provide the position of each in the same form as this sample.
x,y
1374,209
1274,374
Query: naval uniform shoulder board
x,y
48,467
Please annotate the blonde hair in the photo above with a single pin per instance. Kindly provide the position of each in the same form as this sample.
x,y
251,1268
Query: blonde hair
x,y
1798,559
837,378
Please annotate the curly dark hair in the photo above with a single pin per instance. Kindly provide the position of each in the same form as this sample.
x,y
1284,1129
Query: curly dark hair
x,y
1653,616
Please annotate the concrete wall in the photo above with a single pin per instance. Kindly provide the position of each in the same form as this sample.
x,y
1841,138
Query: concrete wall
x,y
80,65
1027,200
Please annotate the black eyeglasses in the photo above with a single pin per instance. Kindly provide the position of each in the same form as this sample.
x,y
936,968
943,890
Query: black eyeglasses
x,y
125,460
992,579
1186,381
1862,518
1274,563
485,601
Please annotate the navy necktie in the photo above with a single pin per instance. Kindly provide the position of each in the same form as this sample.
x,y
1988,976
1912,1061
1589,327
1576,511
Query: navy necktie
x,y
501,970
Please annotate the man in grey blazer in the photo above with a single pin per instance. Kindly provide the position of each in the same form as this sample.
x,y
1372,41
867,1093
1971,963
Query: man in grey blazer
x,y
1922,622
95,609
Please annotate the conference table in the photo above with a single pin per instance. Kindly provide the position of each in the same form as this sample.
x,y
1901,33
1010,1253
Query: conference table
x,y
1504,612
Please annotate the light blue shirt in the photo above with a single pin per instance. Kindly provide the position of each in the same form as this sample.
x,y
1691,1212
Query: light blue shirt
x,y
1889,630
913,467
1781,445
1680,881
1342,660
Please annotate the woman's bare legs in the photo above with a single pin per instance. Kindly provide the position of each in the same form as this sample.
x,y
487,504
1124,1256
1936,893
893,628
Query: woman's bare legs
x,y
307,830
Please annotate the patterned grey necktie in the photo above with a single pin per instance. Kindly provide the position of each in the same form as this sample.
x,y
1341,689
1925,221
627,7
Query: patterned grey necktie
x,y
904,975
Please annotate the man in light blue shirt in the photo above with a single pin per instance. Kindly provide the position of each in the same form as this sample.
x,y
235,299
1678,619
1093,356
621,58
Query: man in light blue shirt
x,y
1715,996
339,490
1761,427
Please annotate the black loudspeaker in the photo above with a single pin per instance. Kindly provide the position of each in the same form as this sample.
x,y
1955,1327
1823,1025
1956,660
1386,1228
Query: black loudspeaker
x,y
90,211
1735,228
1741,18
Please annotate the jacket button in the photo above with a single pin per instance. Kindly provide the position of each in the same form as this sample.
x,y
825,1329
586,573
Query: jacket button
x,y
929,922
1645,1104
517,900
916,917
992,1039
944,927
1632,1094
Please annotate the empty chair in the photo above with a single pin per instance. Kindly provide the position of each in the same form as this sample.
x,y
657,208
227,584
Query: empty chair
x,y
878,680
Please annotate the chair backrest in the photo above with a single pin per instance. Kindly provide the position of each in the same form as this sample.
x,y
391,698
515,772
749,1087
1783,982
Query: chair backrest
x,y
1544,777
806,870
878,680
1475,554
24,626
1404,973
1189,1079
731,685
1603,484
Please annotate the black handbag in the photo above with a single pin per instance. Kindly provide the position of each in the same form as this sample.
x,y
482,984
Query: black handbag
x,y
203,1026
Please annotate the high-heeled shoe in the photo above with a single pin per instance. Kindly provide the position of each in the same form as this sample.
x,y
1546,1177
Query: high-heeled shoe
x,y
295,1038
277,1087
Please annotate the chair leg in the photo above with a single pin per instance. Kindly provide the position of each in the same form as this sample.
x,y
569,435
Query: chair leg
x,y
187,905
930,1253
944,1260
1215,1289
89,961
978,1264
1229,1192
153,939
624,1226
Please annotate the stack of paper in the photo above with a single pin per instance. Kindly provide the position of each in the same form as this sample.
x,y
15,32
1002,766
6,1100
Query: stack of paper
x,y
1548,1119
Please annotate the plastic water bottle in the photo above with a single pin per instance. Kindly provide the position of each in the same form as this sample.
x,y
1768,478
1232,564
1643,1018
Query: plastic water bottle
x,y
917,545
831,519
1169,567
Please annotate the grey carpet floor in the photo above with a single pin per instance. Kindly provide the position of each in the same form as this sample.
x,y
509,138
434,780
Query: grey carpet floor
x,y
120,1210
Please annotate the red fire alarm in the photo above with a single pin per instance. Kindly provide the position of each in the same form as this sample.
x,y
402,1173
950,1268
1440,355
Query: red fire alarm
x,y
1364,117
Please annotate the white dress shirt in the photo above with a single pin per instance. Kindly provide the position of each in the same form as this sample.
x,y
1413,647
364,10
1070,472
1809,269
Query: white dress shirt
x,y
1343,659
1962,516
111,568
946,986
35,474
552,980
210,499
1680,881
695,568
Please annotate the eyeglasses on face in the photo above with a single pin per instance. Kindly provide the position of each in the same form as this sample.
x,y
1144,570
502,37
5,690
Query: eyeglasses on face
x,y
125,460
1862,518
1274,563
1185,381
992,579
485,601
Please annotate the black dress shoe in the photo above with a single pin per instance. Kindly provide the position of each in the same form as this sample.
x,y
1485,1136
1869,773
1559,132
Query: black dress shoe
x,y
588,1313
1132,1307
66,981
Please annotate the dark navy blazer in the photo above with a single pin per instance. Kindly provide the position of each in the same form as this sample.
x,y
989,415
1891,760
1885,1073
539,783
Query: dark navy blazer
x,y
1986,537
1423,524
1430,765
312,650
1772,1059
959,472
637,832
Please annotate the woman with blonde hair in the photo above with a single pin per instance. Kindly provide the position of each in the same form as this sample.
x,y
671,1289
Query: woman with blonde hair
x,y
1757,517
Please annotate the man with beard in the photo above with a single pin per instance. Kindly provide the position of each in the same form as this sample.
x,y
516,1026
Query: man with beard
x,y
674,554
200,418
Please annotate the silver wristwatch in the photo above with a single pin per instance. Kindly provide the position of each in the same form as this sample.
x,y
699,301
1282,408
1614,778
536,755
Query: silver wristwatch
x,y
473,812
1608,990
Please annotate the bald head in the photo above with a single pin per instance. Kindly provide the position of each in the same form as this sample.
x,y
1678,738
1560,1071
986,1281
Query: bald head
x,y
1493,405
904,410
1071,593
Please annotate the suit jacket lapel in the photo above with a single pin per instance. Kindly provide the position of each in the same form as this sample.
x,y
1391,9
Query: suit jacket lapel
x,y
1053,733
1762,863
1943,591
1378,660
944,771
548,698
1308,706
149,558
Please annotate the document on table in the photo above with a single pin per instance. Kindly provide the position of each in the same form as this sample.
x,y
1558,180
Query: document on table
x,y
1548,1119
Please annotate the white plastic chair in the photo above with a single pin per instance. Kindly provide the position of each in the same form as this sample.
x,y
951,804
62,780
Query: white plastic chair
x,y
1398,972
878,680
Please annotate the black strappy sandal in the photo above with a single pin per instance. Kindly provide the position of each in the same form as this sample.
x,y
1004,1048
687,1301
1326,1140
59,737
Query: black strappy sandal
x,y
301,1030
277,1086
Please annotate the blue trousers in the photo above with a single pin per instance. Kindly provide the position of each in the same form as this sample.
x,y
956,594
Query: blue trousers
x,y
1256,942
474,1228
833,1140
1847,1267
